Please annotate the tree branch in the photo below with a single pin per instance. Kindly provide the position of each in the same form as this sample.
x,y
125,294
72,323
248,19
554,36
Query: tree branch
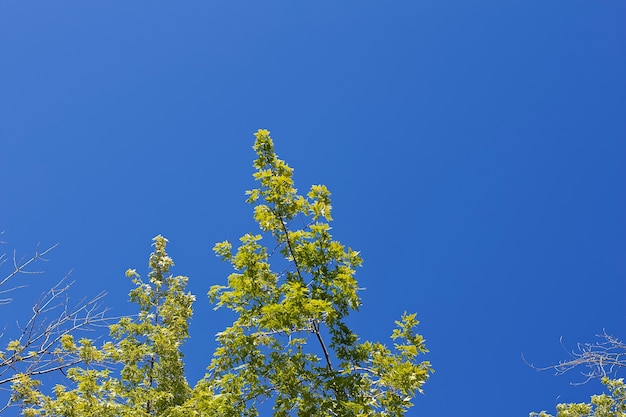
x,y
316,325
601,358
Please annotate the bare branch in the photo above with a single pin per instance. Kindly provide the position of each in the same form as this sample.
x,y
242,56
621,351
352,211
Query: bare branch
x,y
38,351
20,267
36,348
602,358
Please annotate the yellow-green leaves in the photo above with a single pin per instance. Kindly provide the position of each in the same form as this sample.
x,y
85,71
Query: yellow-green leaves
x,y
25,391
320,202
289,344
295,312
14,346
223,250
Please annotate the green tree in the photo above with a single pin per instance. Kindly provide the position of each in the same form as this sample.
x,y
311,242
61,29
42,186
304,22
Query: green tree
x,y
289,348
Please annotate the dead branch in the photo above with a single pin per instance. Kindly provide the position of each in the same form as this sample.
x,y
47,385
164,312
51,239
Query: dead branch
x,y
35,349
20,267
602,358
39,338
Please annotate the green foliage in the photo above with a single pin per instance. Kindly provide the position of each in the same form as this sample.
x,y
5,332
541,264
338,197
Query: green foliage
x,y
612,404
289,348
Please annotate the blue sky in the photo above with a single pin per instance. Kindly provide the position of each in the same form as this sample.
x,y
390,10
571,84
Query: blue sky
x,y
476,152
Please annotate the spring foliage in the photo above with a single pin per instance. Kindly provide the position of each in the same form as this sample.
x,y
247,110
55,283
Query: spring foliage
x,y
289,348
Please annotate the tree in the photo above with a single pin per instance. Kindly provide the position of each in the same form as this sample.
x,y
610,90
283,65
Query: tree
x,y
601,360
34,351
289,348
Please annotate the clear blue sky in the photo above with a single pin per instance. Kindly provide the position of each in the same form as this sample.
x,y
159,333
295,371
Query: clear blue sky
x,y
476,152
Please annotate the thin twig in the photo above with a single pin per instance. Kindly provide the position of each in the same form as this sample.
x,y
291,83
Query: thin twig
x,y
602,358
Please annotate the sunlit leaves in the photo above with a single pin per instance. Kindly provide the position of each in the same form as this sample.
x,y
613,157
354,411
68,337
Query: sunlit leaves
x,y
612,404
14,346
